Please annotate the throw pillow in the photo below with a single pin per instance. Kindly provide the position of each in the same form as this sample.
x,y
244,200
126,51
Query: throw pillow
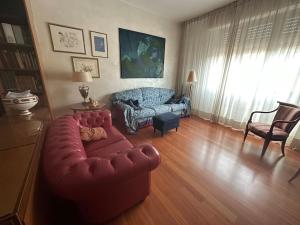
x,y
180,100
92,134
172,100
133,103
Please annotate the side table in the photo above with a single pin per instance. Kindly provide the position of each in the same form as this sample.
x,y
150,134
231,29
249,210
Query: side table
x,y
79,107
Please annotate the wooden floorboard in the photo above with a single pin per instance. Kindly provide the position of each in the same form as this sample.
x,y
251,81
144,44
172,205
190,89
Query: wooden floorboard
x,y
208,176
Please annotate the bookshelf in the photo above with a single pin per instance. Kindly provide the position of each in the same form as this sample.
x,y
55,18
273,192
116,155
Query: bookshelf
x,y
20,68
17,70
18,65
14,46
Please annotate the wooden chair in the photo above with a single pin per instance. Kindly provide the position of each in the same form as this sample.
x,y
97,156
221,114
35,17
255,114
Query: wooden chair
x,y
286,118
295,175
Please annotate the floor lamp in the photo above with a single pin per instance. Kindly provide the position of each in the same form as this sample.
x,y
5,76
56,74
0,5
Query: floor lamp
x,y
192,78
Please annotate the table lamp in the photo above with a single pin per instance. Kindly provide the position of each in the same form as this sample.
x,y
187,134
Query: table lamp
x,y
192,78
84,77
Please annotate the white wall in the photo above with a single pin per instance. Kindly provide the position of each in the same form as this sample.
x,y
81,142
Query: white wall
x,y
104,16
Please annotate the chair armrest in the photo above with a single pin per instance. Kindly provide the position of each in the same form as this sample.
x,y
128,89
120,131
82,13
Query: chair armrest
x,y
282,121
250,119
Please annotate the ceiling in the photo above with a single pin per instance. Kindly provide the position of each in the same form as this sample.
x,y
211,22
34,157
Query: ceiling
x,y
177,10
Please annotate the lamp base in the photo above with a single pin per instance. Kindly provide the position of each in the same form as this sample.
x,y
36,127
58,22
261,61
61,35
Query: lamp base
x,y
85,103
84,91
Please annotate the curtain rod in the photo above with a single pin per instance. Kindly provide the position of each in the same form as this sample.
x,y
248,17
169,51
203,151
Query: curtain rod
x,y
234,4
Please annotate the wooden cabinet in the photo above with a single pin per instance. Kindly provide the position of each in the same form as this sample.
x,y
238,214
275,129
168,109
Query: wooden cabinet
x,y
20,147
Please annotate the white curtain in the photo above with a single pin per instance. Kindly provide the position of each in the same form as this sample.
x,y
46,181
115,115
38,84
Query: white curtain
x,y
247,57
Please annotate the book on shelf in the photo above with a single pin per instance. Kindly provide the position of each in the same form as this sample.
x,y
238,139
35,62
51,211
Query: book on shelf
x,y
8,32
1,87
18,59
17,29
9,81
26,83
2,37
26,35
12,33
2,66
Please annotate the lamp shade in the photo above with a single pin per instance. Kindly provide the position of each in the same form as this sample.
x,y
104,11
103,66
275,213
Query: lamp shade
x,y
192,76
82,77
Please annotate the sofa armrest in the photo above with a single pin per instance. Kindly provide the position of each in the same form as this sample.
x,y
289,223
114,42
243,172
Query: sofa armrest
x,y
187,101
94,119
122,106
127,113
89,175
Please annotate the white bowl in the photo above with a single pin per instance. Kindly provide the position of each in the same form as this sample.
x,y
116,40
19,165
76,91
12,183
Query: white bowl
x,y
20,105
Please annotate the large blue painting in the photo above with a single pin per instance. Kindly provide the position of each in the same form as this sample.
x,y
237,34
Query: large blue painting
x,y
141,55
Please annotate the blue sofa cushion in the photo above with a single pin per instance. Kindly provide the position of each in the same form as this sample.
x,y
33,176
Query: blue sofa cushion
x,y
165,95
145,112
159,109
150,96
177,107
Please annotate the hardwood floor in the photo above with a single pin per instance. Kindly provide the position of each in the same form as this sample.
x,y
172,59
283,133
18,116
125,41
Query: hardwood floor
x,y
207,176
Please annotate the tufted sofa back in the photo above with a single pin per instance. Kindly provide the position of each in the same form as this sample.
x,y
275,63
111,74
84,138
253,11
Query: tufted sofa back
x,y
74,175
63,149
65,162
94,119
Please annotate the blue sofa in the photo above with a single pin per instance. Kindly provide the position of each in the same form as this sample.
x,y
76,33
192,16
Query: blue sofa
x,y
152,101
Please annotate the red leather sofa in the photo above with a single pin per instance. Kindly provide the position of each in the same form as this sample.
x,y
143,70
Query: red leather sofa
x,y
103,178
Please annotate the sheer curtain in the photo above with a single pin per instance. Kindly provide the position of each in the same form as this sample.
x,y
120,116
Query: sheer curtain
x,y
247,57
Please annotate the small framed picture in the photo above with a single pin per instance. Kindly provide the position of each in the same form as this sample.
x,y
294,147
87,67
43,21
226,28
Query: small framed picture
x,y
99,44
67,39
84,64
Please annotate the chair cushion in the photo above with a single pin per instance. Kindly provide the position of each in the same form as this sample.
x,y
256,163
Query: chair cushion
x,y
262,129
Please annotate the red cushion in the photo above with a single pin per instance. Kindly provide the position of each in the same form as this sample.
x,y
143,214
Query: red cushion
x,y
113,135
109,151
262,129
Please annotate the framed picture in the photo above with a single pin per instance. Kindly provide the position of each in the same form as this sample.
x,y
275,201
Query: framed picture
x,y
67,39
141,55
83,64
99,44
